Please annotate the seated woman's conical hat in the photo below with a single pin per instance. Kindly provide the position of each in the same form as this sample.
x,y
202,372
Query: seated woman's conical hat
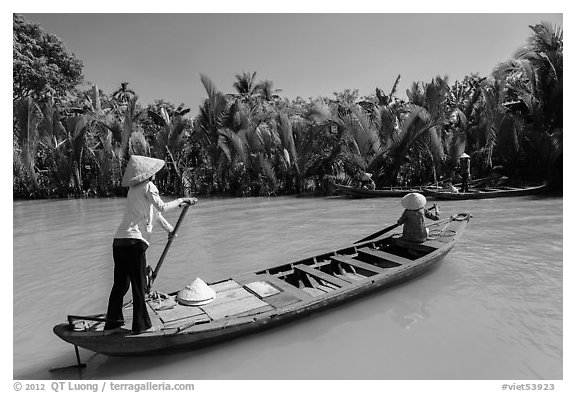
x,y
196,294
413,201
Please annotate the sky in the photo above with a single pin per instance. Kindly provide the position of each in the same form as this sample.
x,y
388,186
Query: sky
x,y
303,54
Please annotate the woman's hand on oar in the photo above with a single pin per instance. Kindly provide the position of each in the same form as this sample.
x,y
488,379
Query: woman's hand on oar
x,y
170,230
188,201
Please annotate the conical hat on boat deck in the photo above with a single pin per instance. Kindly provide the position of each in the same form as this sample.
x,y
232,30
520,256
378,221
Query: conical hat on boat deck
x,y
140,168
196,294
366,176
413,201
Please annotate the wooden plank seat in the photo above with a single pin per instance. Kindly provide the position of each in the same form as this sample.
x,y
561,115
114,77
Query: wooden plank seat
x,y
358,264
321,275
383,255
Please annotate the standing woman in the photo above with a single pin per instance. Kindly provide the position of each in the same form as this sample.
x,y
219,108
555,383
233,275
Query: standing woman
x,y
143,207
465,171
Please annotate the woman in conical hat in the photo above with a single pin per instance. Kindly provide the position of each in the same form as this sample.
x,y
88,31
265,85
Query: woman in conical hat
x,y
143,207
367,181
464,163
413,217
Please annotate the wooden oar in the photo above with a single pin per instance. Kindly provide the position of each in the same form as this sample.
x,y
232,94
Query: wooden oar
x,y
383,231
170,239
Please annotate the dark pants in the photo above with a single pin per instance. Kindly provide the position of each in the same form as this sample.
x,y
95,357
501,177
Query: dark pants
x,y
465,178
129,269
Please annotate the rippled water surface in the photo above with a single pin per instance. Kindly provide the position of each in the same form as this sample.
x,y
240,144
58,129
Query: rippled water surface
x,y
491,310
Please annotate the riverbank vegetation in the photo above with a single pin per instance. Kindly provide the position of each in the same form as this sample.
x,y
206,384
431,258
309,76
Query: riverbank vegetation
x,y
73,142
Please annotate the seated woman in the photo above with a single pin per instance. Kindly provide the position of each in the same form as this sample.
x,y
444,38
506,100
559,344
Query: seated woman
x,y
450,188
367,182
413,217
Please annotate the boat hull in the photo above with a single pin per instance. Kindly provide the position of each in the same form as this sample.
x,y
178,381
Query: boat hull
x,y
290,304
353,192
486,193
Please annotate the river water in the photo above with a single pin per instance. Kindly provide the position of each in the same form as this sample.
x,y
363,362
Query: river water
x,y
491,310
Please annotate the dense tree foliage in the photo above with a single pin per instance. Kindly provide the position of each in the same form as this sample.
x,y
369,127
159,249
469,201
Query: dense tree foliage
x,y
42,67
254,142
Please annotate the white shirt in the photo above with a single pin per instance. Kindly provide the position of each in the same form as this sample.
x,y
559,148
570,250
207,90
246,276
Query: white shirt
x,y
143,207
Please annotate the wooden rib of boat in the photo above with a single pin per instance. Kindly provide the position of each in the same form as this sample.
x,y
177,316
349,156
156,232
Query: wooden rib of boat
x,y
486,192
251,302
354,192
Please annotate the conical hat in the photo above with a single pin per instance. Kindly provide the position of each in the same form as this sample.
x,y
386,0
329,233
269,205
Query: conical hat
x,y
196,294
366,176
140,168
413,201
464,155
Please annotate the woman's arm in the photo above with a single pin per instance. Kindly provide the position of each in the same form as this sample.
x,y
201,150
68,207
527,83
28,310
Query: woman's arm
x,y
164,223
153,196
430,215
402,218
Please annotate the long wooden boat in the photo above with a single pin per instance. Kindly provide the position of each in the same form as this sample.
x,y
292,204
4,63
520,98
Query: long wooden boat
x,y
248,303
486,192
354,192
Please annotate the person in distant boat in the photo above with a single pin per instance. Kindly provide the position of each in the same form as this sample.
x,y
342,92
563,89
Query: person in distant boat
x,y
366,182
464,171
413,217
143,207
450,188
497,177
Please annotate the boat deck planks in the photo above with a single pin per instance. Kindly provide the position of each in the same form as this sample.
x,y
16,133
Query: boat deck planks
x,y
190,320
284,299
228,295
179,312
224,286
233,306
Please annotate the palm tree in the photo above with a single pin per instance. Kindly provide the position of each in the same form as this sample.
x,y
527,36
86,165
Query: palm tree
x,y
462,131
54,143
123,94
28,117
246,86
420,136
256,147
267,92
210,122
169,142
533,94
